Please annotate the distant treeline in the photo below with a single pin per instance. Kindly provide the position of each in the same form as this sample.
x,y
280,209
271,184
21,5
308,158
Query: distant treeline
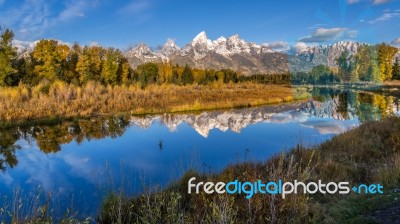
x,y
51,61
54,61
320,74
152,73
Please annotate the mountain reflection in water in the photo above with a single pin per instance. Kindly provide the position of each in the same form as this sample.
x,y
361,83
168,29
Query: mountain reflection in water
x,y
77,156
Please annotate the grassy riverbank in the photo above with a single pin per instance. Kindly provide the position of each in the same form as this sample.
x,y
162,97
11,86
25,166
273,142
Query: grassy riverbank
x,y
49,101
368,154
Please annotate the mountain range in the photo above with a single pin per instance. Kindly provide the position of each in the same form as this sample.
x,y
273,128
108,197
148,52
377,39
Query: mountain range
x,y
234,53
240,55
236,120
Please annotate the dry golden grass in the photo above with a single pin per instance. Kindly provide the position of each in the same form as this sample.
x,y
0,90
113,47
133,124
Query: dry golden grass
x,y
63,100
392,83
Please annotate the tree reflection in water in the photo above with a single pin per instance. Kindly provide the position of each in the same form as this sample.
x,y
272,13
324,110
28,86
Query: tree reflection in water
x,y
326,103
8,148
50,138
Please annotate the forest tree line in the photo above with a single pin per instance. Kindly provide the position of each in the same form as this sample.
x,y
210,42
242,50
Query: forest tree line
x,y
54,61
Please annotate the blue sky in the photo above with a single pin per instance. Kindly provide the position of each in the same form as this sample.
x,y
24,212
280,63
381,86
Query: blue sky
x,y
121,23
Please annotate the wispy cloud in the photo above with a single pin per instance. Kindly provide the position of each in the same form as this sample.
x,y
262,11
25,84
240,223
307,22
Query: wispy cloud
x,y
138,9
33,17
30,18
315,26
388,15
378,2
375,2
300,47
352,33
352,1
323,35
396,41
2,2
278,45
73,9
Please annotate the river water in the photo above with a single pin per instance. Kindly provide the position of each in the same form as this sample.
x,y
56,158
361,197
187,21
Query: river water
x,y
76,163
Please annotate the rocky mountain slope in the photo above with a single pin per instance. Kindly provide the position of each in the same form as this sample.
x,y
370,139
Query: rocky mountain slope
x,y
236,120
327,54
234,53
239,55
202,52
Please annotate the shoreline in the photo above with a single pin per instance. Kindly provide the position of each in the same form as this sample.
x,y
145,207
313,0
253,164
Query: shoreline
x,y
343,158
57,120
253,95
355,85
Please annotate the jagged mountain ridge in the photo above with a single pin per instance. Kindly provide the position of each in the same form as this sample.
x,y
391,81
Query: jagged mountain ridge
x,y
202,52
234,53
236,120
239,55
328,54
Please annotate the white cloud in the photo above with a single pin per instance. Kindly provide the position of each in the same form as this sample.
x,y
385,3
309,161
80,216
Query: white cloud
x,y
352,33
137,6
315,26
352,1
33,17
388,15
396,41
73,9
138,10
278,45
320,125
300,47
375,2
323,35
378,2
326,127
83,167
288,117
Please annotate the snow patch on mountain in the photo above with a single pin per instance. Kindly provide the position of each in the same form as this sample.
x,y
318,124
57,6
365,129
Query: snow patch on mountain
x,y
24,45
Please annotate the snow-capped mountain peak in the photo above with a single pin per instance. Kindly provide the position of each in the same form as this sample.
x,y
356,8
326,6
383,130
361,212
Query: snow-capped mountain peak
x,y
220,40
141,49
240,55
202,52
201,45
200,38
169,48
24,45
142,52
234,39
170,43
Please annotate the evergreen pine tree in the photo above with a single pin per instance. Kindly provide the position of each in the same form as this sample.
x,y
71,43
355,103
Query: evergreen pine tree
x,y
187,76
396,69
7,57
175,79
